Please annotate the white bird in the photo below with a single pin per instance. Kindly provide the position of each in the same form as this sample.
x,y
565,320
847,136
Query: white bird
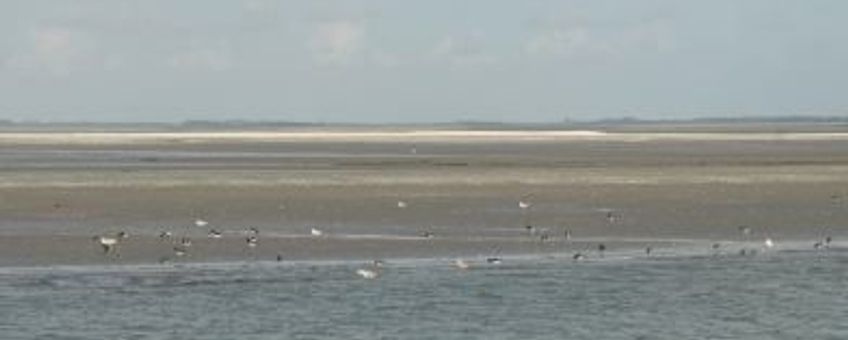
x,y
768,243
611,217
401,204
524,205
367,273
461,264
180,251
107,243
316,232
200,223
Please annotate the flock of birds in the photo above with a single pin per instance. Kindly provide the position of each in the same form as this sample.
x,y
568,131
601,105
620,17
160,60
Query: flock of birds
x,y
181,245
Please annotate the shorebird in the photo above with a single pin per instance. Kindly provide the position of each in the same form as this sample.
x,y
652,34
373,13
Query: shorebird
x,y
544,235
316,232
578,256
601,248
378,263
612,218
461,264
369,274
567,234
428,234
716,248
768,243
107,243
185,241
165,234
214,234
648,250
253,231
252,241
180,251
745,230
279,257
494,260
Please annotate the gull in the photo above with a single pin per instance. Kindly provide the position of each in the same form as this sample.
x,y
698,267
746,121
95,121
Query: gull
x,y
401,204
768,243
180,251
316,232
611,217
109,243
461,264
214,234
252,241
200,223
524,205
185,242
369,274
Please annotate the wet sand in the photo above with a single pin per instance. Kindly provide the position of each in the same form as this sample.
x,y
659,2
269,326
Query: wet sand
x,y
665,189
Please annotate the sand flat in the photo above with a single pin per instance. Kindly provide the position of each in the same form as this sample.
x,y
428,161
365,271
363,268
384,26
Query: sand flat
x,y
58,190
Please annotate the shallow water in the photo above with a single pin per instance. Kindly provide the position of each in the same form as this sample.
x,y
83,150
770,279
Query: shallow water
x,y
778,295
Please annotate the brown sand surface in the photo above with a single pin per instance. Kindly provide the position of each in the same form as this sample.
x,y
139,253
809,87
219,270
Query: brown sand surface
x,y
690,189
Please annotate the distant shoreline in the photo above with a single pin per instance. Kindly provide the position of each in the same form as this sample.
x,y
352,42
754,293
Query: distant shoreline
x,y
38,138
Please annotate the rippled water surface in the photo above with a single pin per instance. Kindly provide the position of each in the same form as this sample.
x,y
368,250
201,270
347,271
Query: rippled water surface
x,y
786,295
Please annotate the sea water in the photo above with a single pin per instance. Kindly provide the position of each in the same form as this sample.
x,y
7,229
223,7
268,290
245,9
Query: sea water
x,y
774,295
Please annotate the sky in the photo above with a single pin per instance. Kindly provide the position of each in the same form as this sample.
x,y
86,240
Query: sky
x,y
420,61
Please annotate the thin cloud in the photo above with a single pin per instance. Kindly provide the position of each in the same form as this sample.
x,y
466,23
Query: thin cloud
x,y
337,42
462,50
53,50
200,59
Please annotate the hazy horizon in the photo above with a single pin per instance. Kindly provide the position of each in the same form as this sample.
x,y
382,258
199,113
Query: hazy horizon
x,y
421,62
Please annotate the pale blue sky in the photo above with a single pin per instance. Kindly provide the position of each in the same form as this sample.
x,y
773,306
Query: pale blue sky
x,y
420,61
